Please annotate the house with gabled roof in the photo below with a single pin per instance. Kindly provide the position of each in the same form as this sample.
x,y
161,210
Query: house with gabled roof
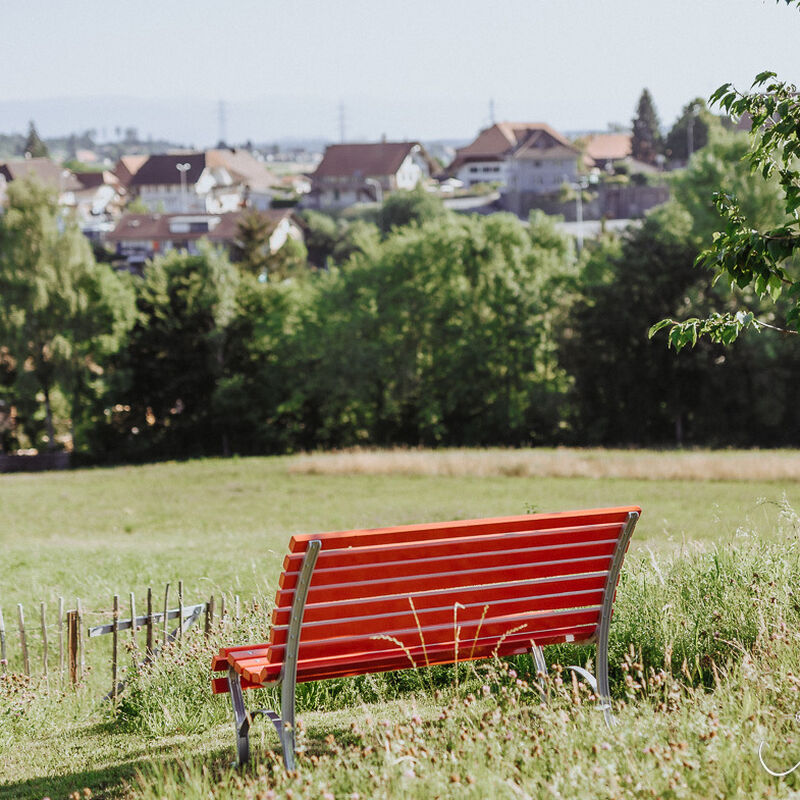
x,y
367,172
603,150
139,237
528,157
215,181
47,172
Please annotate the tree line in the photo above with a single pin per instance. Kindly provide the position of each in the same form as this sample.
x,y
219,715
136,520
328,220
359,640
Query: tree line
x,y
417,326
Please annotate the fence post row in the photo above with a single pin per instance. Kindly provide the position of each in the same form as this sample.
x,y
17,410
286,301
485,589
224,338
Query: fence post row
x,y
72,652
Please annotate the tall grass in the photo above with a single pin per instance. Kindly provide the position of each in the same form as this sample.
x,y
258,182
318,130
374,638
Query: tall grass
x,y
705,658
697,465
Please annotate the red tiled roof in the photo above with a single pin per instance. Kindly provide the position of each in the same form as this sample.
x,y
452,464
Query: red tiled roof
x,y
363,160
46,171
242,167
155,227
518,139
608,146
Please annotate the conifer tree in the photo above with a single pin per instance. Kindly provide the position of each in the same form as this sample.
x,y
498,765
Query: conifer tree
x,y
34,146
646,143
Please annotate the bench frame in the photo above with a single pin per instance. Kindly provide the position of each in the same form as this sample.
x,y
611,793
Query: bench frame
x,y
285,721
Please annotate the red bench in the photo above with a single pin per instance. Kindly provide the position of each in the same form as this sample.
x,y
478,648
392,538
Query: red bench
x,y
448,591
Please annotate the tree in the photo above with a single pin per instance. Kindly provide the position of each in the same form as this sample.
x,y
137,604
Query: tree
x,y
176,355
405,207
646,142
251,248
61,313
690,132
34,146
763,259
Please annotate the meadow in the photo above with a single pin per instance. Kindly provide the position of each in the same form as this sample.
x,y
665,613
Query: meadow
x,y
704,649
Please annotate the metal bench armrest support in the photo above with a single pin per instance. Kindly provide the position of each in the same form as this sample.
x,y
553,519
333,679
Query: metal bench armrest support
x,y
284,724
604,691
289,670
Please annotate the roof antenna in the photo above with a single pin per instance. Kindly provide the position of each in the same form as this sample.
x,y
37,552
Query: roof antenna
x,y
491,110
341,122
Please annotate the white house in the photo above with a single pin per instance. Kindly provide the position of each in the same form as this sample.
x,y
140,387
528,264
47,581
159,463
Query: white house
x,y
519,157
216,181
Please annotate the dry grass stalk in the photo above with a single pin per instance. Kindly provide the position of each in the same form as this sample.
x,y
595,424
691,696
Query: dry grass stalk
x,y
692,465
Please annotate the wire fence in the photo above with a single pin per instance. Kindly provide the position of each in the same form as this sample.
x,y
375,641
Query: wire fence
x,y
50,641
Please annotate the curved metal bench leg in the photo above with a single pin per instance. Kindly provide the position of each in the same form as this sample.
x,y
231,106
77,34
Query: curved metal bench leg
x,y
241,719
603,697
541,668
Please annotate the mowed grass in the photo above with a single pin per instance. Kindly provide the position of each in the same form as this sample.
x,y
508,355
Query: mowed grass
x,y
223,525
715,638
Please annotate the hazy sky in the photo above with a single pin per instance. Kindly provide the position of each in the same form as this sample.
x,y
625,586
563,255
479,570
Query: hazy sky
x,y
417,69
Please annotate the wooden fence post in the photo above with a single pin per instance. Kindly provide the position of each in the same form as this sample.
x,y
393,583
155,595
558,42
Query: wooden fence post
x,y
209,616
180,610
61,640
72,645
3,659
44,638
23,641
133,628
149,621
166,609
115,637
81,649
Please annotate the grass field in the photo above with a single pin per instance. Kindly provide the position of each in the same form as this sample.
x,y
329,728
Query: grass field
x,y
222,526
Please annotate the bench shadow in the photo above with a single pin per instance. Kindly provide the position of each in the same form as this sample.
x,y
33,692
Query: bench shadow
x,y
107,782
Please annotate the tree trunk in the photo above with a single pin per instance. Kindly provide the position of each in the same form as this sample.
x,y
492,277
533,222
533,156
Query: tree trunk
x,y
48,415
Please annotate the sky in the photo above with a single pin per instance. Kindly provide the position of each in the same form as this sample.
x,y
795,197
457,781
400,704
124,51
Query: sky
x,y
420,69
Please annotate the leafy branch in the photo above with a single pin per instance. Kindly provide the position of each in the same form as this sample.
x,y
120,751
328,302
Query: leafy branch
x,y
739,254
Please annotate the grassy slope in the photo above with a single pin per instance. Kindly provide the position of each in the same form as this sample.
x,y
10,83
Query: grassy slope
x,y
224,524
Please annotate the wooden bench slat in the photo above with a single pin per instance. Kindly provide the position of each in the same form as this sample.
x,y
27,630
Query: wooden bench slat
x,y
393,658
395,604
444,581
483,559
373,555
442,615
445,530
514,644
441,634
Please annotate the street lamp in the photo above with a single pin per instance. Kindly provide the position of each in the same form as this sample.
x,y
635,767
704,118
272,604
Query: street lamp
x,y
183,168
378,189
579,185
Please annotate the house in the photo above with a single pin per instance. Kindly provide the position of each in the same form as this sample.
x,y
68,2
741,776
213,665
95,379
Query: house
x,y
100,194
46,172
216,181
518,156
603,150
139,237
356,173
252,183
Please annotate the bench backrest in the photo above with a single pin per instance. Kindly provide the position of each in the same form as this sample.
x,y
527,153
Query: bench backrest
x,y
420,595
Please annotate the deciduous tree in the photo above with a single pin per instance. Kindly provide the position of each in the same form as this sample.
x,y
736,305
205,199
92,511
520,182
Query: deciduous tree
x,y
762,258
60,312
